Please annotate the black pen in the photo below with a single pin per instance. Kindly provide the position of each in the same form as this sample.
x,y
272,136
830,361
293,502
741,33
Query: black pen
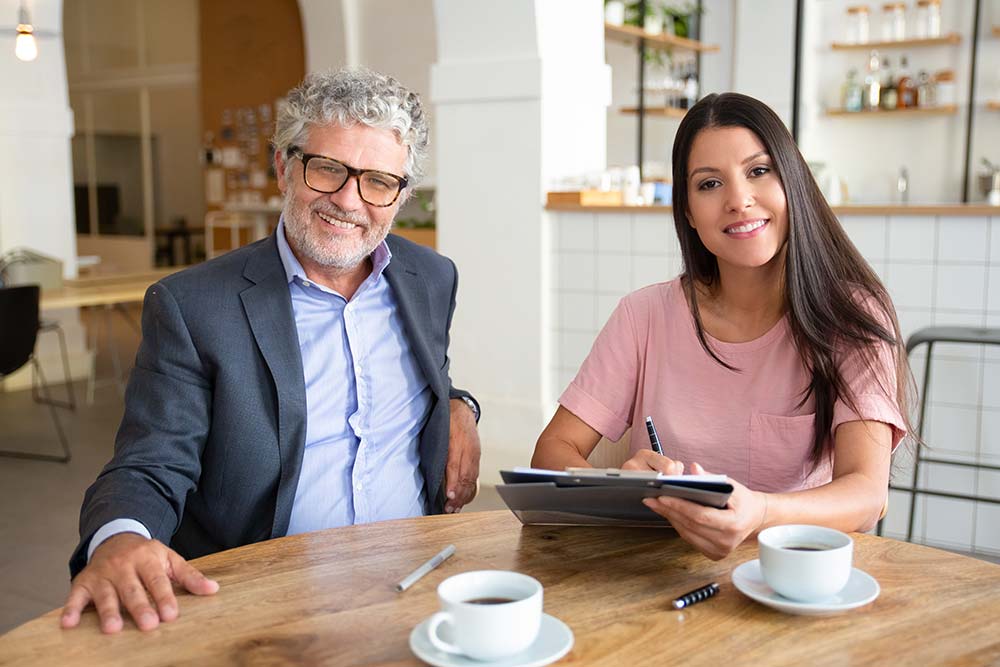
x,y
654,440
697,595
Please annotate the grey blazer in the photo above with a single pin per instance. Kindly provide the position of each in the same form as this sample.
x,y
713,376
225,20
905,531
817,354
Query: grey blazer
x,y
210,447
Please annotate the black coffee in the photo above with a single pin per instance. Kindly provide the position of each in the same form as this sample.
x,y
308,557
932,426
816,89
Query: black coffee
x,y
490,600
806,547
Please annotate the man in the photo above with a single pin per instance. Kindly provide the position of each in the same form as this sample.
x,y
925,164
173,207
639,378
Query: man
x,y
296,384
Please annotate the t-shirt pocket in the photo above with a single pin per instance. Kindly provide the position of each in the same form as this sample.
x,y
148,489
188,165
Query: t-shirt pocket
x,y
780,452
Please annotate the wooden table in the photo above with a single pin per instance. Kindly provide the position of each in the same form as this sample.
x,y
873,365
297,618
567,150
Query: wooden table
x,y
328,598
103,290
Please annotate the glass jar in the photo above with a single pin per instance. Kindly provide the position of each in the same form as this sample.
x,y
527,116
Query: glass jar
x,y
893,21
925,90
928,18
945,95
857,25
614,12
851,93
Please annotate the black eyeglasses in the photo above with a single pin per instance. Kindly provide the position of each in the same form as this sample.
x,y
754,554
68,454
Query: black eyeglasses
x,y
326,175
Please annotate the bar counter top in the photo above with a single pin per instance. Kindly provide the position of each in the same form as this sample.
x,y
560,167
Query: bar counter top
x,y
978,209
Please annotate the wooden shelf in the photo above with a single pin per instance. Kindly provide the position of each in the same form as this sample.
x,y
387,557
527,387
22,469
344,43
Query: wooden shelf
x,y
947,110
665,112
630,35
993,105
950,38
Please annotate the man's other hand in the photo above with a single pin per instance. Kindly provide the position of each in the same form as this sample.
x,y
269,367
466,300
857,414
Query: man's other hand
x,y
130,570
462,471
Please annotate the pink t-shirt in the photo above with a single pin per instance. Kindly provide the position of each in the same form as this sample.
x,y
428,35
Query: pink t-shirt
x,y
749,425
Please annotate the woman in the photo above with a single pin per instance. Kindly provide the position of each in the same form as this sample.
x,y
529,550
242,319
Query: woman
x,y
775,358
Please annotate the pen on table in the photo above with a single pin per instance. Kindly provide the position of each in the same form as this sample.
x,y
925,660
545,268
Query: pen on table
x,y
697,595
415,576
654,440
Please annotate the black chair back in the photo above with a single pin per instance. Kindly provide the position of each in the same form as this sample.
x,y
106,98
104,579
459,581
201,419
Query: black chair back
x,y
18,326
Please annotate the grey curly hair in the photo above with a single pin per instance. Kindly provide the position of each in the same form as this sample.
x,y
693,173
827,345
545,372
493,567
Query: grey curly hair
x,y
350,96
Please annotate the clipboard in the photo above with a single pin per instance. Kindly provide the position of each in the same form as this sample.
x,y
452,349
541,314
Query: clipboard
x,y
602,496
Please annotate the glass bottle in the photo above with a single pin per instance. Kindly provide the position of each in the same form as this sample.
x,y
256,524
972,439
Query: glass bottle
x,y
906,91
889,96
925,90
691,87
872,85
852,93
857,25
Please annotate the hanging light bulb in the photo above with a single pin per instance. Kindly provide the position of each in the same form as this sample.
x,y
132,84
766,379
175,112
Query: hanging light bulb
x,y
26,47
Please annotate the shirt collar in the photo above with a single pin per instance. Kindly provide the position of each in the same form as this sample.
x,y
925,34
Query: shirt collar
x,y
293,268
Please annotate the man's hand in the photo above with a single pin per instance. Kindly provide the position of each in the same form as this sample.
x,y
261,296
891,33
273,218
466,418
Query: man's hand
x,y
462,471
130,569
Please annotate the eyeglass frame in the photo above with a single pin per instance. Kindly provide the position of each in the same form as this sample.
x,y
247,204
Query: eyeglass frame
x,y
295,151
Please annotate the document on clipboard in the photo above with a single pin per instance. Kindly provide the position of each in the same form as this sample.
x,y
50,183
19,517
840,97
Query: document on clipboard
x,y
602,496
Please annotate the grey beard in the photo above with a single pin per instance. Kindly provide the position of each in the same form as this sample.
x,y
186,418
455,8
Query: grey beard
x,y
302,237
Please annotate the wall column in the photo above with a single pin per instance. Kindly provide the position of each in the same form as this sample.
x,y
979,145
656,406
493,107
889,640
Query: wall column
x,y
520,91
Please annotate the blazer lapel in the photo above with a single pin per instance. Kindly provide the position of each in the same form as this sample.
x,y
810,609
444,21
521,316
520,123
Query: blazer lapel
x,y
414,306
268,307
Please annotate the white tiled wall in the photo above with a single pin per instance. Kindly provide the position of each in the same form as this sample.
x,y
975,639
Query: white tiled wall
x,y
939,271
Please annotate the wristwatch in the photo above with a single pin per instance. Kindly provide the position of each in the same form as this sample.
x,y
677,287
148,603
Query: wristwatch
x,y
472,406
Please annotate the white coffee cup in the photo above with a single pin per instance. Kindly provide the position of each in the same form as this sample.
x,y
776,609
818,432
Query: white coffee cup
x,y
805,563
492,614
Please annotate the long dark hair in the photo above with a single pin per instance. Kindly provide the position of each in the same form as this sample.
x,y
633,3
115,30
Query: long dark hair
x,y
830,291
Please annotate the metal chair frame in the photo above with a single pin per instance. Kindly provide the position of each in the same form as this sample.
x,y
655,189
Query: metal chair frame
x,y
46,326
930,336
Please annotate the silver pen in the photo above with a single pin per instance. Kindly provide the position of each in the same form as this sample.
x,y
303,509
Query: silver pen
x,y
415,576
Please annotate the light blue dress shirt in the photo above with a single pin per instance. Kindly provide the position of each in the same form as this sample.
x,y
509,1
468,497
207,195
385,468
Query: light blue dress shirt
x,y
366,404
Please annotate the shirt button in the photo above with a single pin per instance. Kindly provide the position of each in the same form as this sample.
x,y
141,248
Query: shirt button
x,y
307,283
357,486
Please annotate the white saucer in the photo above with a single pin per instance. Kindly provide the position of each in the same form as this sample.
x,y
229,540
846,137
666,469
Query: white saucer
x,y
861,589
554,640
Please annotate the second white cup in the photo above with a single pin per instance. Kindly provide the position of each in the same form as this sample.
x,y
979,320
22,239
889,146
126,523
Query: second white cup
x,y
805,563
491,613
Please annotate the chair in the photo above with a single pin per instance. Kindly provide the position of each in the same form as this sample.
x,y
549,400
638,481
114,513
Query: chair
x,y
234,222
48,326
19,327
929,336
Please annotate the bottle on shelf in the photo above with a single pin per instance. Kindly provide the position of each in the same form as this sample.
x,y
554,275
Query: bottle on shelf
x,y
888,96
925,90
906,90
690,88
851,94
872,85
857,25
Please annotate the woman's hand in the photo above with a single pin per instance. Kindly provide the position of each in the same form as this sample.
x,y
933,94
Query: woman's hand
x,y
647,459
714,532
